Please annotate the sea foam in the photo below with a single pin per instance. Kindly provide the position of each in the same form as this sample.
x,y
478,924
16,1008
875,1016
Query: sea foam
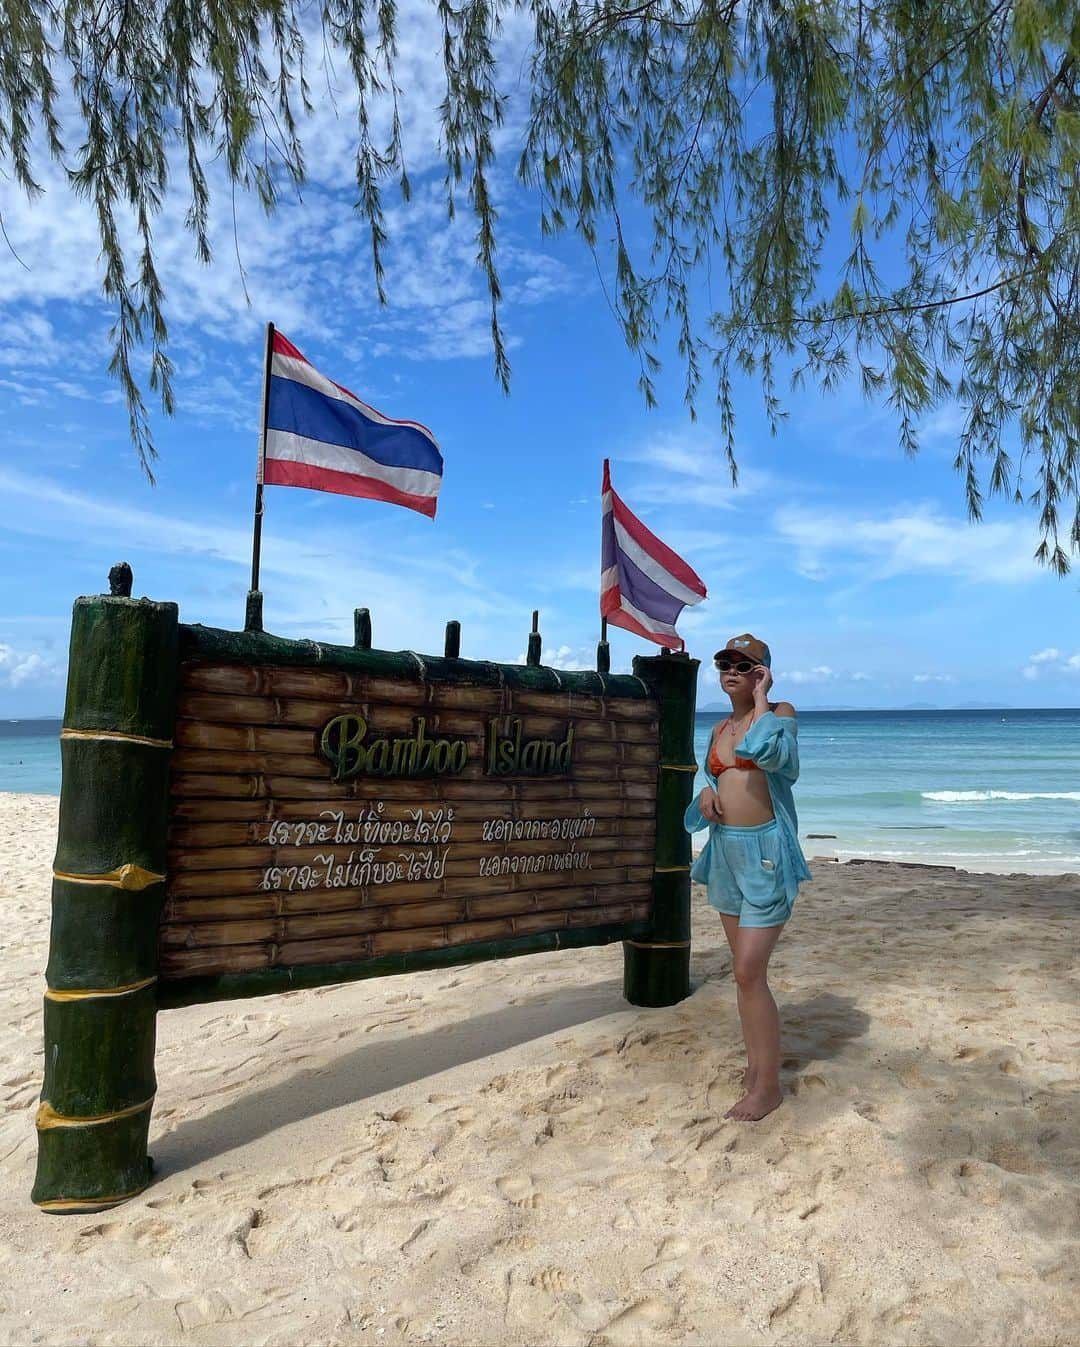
x,y
978,796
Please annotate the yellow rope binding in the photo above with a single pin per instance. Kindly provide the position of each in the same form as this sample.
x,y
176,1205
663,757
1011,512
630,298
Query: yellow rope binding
x,y
48,1117
81,994
129,877
117,736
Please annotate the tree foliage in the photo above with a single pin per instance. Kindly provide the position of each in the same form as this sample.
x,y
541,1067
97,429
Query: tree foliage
x,y
886,189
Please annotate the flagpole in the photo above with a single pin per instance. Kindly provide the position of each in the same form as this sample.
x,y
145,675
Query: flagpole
x,y
603,650
254,604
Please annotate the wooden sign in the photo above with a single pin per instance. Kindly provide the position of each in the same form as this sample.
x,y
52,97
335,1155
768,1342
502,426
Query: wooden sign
x,y
325,817
241,814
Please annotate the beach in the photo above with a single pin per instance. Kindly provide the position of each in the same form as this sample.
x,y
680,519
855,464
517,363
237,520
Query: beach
x,y
508,1153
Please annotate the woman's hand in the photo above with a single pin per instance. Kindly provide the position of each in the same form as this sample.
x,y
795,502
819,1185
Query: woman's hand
x,y
709,804
762,684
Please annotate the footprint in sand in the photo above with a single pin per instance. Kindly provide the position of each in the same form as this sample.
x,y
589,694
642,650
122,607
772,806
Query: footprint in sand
x,y
512,1244
241,1233
799,1299
674,1249
202,1311
195,1189
415,1234
519,1190
135,1232
969,1178
724,1089
911,1078
810,1084
1013,1158
638,1325
553,1280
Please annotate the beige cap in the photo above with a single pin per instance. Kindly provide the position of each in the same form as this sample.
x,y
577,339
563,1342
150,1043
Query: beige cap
x,y
748,646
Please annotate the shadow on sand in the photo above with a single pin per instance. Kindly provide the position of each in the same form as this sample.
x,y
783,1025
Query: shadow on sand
x,y
376,1068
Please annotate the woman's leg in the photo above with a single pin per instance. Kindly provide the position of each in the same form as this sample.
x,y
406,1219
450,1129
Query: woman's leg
x,y
731,930
760,1022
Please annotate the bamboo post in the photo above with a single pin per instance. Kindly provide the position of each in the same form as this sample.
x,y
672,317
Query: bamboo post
x,y
452,646
603,650
533,656
656,965
108,890
120,580
361,628
253,612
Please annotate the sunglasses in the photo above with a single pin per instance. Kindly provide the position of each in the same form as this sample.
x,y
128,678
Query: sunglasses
x,y
742,666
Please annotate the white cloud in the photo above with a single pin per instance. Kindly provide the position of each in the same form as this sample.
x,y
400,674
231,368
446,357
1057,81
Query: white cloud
x,y
689,468
565,657
913,541
933,678
309,589
821,673
824,673
1051,663
439,307
944,423
18,667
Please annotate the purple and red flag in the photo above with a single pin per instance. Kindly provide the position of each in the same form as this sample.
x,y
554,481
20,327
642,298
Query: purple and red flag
x,y
644,586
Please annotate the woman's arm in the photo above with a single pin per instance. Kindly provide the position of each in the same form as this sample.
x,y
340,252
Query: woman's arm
x,y
696,816
704,808
772,743
771,740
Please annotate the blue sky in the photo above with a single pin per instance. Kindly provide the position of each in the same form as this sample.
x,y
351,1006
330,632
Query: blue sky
x,y
857,565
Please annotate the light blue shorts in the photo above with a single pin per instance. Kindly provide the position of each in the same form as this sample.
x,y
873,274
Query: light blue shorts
x,y
746,878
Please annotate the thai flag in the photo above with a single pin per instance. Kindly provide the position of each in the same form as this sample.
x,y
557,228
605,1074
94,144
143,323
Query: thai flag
x,y
321,436
644,586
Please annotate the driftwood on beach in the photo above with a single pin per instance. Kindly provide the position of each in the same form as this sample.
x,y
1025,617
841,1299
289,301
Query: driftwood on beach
x,y
242,814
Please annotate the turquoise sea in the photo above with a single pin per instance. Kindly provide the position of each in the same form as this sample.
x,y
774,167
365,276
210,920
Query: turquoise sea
x,y
30,756
982,790
990,790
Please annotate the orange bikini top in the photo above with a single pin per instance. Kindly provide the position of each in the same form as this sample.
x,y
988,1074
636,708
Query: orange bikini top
x,y
716,766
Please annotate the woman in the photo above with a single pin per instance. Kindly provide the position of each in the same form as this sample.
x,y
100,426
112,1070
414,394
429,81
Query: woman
x,y
752,863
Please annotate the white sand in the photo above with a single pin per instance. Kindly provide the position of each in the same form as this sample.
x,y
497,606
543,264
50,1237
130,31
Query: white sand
x,y
508,1154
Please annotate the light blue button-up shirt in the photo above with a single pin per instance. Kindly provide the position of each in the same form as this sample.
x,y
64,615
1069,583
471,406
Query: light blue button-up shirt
x,y
772,742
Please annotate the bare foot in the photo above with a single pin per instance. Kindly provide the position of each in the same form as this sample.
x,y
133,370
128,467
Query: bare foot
x,y
754,1105
749,1076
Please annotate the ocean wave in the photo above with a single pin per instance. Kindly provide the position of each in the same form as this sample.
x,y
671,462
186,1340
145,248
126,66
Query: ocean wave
x,y
979,796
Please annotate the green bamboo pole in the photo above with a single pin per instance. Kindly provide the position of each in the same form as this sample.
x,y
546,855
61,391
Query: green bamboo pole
x,y
656,965
108,889
253,611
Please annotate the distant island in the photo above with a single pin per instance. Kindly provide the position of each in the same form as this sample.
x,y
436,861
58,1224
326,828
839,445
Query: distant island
x,y
910,706
32,727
